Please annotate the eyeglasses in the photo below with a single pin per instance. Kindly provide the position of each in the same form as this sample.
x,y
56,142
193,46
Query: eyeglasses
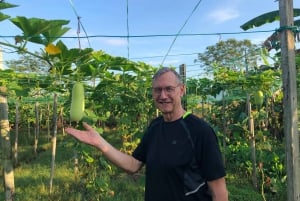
x,y
167,90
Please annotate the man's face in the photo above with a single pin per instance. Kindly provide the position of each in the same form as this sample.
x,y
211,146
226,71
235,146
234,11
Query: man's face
x,y
167,93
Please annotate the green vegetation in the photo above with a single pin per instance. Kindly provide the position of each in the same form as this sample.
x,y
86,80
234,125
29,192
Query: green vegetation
x,y
118,102
98,179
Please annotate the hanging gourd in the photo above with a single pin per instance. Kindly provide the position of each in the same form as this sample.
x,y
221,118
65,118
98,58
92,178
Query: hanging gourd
x,y
77,102
258,98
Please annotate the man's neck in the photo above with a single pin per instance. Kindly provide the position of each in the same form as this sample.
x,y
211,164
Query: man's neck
x,y
168,117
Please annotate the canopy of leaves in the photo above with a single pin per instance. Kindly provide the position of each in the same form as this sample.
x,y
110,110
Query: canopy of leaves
x,y
231,53
28,64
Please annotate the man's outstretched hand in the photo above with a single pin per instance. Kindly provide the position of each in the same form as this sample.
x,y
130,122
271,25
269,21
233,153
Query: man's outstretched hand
x,y
89,136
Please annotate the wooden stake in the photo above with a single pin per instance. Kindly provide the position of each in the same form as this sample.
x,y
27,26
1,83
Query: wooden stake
x,y
290,114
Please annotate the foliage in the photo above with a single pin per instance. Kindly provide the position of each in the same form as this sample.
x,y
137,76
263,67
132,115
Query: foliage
x,y
40,31
28,64
232,54
126,96
118,97
273,41
4,5
265,18
98,179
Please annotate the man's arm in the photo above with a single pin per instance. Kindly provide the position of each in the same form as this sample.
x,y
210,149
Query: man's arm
x,y
218,189
91,136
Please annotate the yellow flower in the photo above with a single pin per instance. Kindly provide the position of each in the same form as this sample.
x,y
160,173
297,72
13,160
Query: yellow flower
x,y
52,49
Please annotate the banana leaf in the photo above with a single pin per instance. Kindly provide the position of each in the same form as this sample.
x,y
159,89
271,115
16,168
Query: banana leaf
x,y
265,18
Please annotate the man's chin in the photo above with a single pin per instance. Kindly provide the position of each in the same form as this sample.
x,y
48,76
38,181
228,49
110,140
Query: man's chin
x,y
164,110
164,107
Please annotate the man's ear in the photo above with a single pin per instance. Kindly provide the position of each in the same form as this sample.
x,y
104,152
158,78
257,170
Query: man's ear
x,y
183,91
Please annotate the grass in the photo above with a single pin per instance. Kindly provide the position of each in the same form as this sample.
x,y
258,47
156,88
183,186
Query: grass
x,y
32,176
96,181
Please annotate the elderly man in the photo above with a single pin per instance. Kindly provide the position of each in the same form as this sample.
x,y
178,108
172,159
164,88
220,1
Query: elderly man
x,y
180,151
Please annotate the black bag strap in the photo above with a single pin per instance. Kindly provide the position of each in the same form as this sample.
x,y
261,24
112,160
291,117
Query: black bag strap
x,y
182,122
194,182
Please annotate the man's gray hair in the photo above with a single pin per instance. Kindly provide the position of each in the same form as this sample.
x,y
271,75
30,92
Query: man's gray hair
x,y
164,70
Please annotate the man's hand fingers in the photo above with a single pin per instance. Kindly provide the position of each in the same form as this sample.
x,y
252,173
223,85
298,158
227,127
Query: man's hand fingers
x,y
74,132
87,126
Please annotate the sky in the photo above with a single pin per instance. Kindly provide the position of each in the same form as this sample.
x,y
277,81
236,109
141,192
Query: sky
x,y
153,26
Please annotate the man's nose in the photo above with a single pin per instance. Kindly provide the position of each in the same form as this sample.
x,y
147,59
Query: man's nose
x,y
163,93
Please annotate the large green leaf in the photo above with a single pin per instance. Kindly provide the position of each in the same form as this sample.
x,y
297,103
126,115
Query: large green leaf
x,y
55,30
40,31
265,18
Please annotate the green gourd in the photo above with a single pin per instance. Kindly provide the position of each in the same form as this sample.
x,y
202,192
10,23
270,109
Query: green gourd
x,y
77,102
258,98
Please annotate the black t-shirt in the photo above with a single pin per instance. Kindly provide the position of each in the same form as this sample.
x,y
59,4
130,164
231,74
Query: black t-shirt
x,y
167,152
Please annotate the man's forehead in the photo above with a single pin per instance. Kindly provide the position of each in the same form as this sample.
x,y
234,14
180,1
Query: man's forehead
x,y
165,81
166,76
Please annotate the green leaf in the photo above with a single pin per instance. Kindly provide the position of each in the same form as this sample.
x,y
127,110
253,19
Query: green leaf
x,y
265,18
40,31
3,17
4,5
55,30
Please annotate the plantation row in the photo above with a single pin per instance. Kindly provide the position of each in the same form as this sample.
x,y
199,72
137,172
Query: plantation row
x,y
242,99
118,102
124,122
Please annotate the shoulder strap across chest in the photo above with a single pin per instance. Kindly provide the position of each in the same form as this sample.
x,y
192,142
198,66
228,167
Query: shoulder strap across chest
x,y
182,122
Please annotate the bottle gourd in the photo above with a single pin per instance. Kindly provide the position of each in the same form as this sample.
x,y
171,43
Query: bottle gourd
x,y
258,98
77,102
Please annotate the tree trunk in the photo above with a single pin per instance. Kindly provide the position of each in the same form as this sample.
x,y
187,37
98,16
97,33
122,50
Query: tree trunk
x,y
7,161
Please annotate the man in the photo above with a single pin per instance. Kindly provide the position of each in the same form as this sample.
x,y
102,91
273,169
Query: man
x,y
180,151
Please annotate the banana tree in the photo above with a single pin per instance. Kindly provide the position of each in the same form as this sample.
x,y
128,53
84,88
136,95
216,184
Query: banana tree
x,y
272,42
